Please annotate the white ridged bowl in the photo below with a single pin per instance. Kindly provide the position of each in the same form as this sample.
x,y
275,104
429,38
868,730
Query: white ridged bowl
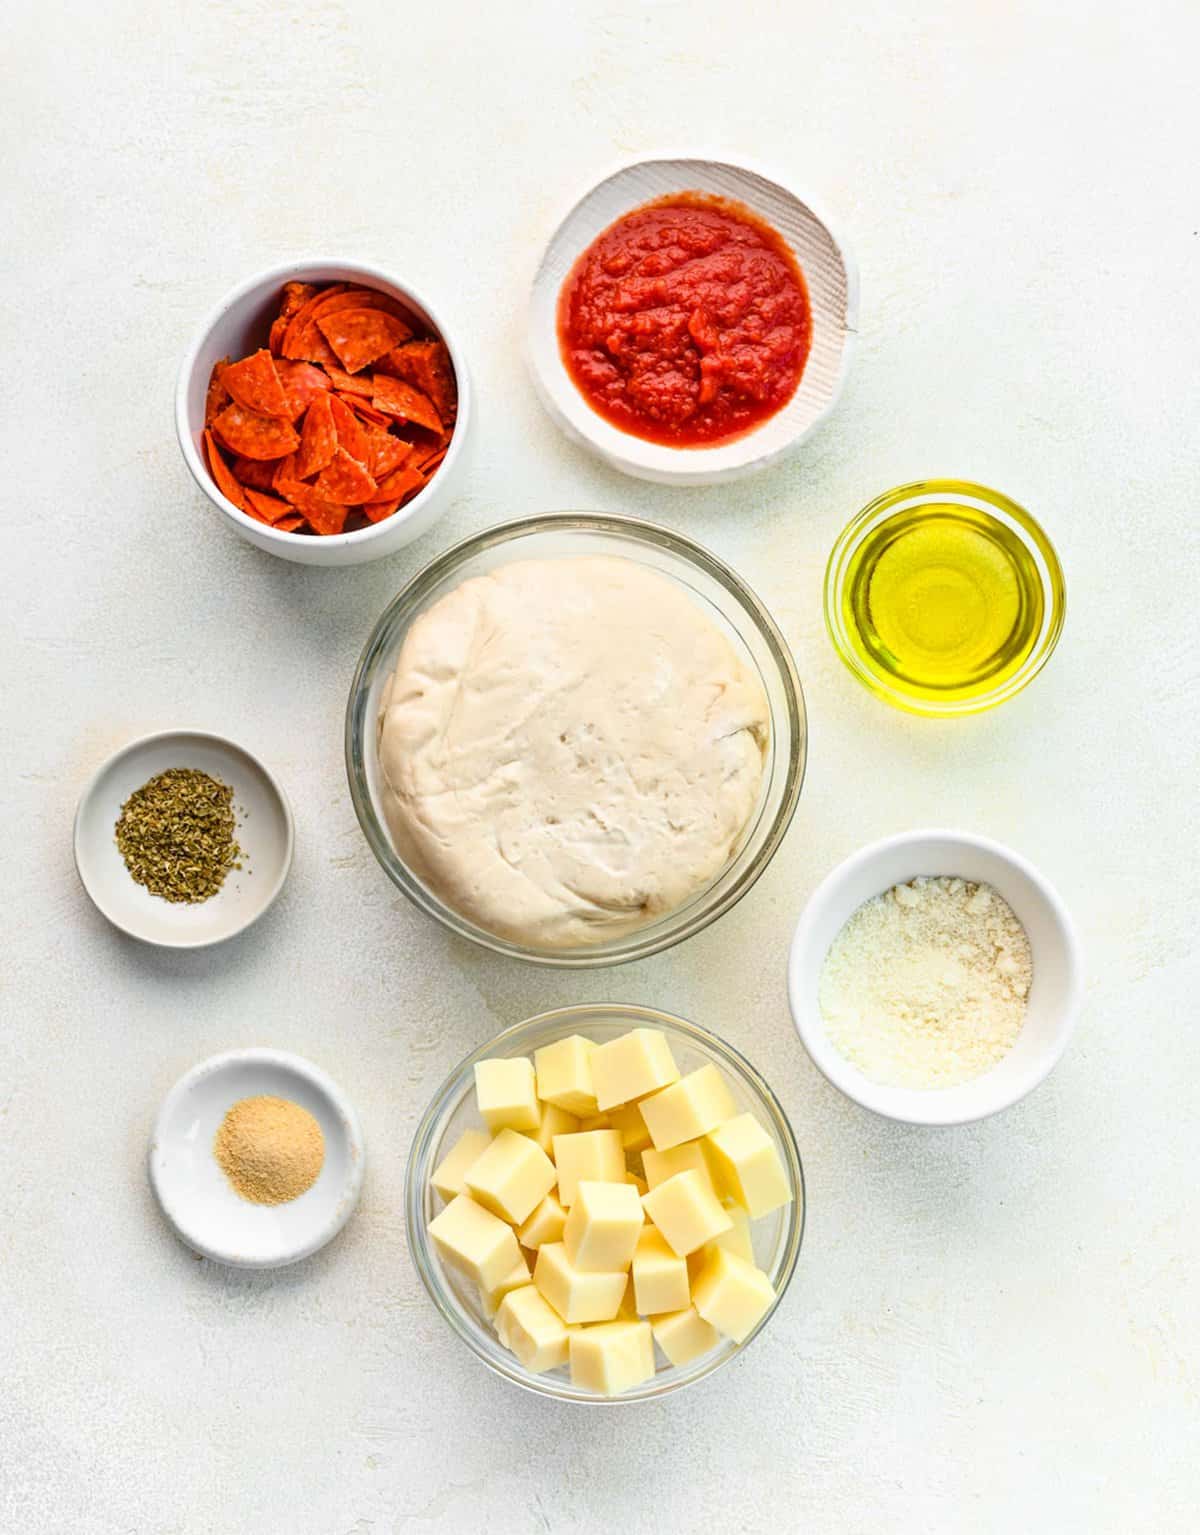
x,y
829,271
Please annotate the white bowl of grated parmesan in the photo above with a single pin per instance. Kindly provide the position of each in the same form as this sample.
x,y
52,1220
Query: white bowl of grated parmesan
x,y
935,977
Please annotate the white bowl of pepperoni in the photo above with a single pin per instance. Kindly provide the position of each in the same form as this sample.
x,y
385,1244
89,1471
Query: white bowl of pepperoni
x,y
323,408
691,320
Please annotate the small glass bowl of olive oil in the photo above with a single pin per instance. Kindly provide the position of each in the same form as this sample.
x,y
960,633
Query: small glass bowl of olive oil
x,y
944,597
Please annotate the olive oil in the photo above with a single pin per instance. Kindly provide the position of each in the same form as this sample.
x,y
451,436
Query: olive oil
x,y
943,601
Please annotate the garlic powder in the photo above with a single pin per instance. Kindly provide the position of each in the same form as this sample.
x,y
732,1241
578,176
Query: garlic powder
x,y
926,986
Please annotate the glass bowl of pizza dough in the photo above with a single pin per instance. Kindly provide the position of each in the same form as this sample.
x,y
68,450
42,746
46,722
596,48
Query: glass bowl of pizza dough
x,y
720,596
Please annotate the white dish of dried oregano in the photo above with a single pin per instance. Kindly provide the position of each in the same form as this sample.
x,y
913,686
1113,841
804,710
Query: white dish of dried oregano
x,y
183,839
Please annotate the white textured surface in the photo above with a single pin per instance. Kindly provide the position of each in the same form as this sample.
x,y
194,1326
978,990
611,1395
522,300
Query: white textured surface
x,y
992,1329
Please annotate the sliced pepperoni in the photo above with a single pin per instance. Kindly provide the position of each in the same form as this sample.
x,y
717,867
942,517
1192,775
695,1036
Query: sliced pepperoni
x,y
254,383
318,438
218,396
396,398
254,435
351,434
221,474
345,481
359,336
301,385
426,366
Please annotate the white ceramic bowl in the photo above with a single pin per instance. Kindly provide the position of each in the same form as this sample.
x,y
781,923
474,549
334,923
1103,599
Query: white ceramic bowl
x,y
1053,999
265,832
237,326
829,271
197,1198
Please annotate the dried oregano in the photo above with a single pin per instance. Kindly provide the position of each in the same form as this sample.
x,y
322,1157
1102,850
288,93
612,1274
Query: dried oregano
x,y
176,835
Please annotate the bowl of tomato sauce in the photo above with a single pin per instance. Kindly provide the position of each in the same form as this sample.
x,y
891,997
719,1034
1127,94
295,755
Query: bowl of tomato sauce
x,y
691,320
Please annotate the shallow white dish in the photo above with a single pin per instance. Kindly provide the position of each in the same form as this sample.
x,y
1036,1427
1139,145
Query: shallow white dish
x,y
1053,999
237,326
829,271
194,1193
264,832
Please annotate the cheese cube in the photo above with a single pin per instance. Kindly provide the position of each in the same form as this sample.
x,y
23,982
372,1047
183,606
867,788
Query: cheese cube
x,y
661,1165
688,1108
731,1295
532,1329
613,1357
627,1118
684,1335
638,1183
564,1075
660,1279
737,1240
592,1154
746,1166
686,1212
510,1177
545,1224
575,1295
517,1276
632,1066
504,1091
476,1242
603,1227
447,1177
555,1121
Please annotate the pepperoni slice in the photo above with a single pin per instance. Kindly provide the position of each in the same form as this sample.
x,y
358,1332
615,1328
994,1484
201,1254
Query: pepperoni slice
x,y
254,383
351,434
344,384
345,481
397,398
360,407
302,341
366,298
385,452
256,473
400,483
376,511
293,296
220,472
359,336
318,438
267,508
218,396
254,435
285,474
302,383
426,366
325,516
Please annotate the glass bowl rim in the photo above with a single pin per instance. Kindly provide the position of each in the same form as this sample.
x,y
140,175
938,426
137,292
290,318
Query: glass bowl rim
x,y
427,1265
659,935
1054,593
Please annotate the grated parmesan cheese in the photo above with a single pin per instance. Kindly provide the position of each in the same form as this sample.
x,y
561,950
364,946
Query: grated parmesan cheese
x,y
926,986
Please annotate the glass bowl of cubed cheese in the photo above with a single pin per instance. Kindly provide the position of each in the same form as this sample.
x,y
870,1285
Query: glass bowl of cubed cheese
x,y
605,1203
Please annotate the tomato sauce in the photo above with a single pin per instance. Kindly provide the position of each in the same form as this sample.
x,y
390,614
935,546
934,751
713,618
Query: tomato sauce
x,y
687,322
